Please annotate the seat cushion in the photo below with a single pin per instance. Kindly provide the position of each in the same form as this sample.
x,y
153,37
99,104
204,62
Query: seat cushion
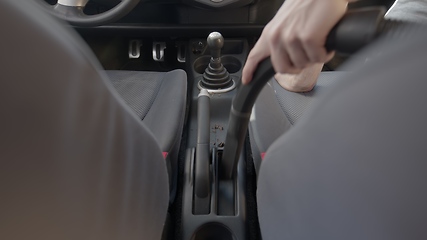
x,y
354,167
276,110
75,161
159,100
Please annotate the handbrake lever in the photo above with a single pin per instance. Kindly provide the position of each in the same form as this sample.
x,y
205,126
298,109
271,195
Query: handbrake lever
x,y
355,30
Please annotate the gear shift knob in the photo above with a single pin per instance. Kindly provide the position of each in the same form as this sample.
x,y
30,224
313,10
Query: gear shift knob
x,y
216,76
215,42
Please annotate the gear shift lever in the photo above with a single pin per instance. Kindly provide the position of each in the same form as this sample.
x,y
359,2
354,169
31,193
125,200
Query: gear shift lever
x,y
215,75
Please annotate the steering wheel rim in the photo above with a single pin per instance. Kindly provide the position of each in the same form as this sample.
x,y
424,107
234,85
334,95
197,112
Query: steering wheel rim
x,y
72,12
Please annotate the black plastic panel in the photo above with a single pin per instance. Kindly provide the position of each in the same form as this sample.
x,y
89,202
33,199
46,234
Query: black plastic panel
x,y
188,31
218,3
227,215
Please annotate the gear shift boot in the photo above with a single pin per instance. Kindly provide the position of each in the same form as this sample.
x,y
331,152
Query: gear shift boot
x,y
216,75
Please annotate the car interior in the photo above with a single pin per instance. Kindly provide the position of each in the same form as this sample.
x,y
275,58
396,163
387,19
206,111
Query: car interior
x,y
128,120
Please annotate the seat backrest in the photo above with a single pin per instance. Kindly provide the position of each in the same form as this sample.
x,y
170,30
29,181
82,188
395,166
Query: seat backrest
x,y
75,163
354,167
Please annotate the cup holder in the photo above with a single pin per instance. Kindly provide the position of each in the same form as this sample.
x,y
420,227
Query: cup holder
x,y
231,63
213,231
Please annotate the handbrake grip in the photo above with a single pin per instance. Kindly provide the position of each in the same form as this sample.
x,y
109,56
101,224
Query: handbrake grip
x,y
356,29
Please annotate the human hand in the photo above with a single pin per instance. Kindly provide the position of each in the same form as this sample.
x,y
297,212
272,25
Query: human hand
x,y
296,36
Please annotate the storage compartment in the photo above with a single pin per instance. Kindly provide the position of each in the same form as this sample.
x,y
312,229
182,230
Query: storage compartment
x,y
213,231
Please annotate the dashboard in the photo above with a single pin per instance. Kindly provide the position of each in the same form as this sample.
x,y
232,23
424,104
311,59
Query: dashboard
x,y
199,12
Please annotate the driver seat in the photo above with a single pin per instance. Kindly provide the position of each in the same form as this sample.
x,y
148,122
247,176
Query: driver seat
x,y
76,162
354,166
284,109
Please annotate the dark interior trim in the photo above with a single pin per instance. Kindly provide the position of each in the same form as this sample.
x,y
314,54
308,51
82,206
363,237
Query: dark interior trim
x,y
187,31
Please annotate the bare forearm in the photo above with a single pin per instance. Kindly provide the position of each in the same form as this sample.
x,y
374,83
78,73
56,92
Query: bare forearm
x,y
295,38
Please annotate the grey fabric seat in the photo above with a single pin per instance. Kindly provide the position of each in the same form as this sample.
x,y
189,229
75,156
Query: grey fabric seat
x,y
159,100
76,162
277,110
354,165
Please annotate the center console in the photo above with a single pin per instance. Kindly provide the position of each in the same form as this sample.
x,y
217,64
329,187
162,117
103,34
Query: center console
x,y
213,206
